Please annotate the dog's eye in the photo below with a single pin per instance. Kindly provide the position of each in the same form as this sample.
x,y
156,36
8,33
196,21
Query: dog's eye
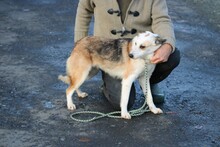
x,y
142,47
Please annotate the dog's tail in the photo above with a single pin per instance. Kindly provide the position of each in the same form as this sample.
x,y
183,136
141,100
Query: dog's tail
x,y
65,79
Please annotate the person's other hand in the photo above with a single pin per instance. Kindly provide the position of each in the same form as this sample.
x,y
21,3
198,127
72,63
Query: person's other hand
x,y
162,54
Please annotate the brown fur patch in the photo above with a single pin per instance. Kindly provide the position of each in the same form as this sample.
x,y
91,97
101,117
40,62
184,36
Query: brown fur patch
x,y
110,55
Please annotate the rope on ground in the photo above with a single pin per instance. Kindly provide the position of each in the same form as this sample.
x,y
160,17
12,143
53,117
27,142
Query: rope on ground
x,y
115,114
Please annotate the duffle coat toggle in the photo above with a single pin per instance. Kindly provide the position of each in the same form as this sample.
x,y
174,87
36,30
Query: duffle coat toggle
x,y
123,32
111,11
135,13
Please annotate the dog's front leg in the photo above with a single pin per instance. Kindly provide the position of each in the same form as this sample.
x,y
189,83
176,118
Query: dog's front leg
x,y
145,85
125,92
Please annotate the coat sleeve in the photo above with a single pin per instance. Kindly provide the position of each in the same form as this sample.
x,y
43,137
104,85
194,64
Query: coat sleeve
x,y
161,22
84,14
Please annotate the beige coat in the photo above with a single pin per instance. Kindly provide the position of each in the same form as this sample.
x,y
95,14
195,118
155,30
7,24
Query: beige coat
x,y
150,15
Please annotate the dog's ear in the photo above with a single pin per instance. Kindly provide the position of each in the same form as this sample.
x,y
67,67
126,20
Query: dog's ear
x,y
159,40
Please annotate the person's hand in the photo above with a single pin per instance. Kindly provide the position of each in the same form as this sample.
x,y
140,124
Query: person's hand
x,y
162,54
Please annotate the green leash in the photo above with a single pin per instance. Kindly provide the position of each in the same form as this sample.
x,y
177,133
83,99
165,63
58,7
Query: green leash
x,y
116,114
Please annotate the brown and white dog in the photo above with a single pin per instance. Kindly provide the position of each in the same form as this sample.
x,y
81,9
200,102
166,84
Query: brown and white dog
x,y
120,58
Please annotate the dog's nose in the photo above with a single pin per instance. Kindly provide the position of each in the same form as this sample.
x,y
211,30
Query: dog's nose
x,y
131,55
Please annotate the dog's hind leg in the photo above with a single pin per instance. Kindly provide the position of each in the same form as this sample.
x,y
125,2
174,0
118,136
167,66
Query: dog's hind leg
x,y
69,92
81,94
91,73
76,80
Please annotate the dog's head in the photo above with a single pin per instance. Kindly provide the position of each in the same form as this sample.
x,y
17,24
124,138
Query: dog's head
x,y
145,44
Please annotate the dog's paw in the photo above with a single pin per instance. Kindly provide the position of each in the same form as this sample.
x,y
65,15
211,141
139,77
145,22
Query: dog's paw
x,y
125,115
156,110
82,95
71,107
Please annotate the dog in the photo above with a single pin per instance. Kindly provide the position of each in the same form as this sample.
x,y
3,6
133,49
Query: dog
x,y
120,58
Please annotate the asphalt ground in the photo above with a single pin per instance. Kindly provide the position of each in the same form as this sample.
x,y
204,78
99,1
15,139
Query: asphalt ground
x,y
36,37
